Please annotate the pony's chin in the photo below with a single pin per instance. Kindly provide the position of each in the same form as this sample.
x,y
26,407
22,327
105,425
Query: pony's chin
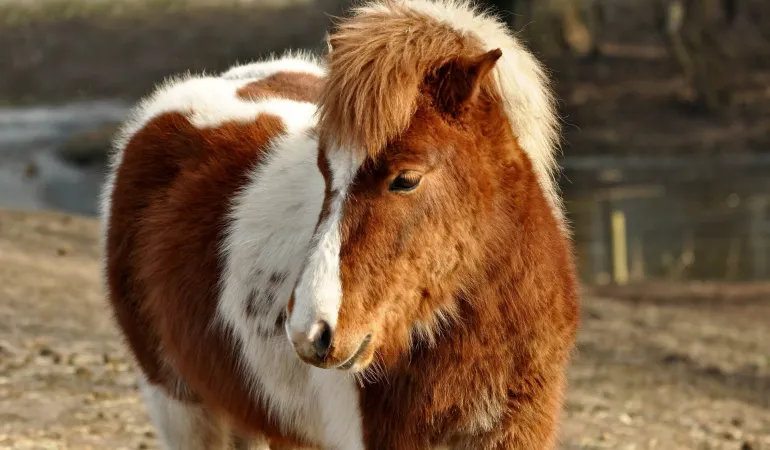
x,y
361,359
360,365
357,368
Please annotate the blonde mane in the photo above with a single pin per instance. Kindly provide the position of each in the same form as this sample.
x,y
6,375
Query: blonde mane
x,y
379,57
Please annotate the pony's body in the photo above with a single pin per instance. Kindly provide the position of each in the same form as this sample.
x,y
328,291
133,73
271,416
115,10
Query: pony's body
x,y
219,192
246,126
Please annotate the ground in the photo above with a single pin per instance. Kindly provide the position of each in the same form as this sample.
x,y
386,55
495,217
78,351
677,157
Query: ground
x,y
661,367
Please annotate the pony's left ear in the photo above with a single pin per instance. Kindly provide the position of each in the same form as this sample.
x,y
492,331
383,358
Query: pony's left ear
x,y
456,84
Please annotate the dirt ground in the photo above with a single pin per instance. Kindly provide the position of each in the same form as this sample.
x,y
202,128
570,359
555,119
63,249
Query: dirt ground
x,y
657,367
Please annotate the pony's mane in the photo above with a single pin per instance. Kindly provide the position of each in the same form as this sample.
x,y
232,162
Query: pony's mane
x,y
379,57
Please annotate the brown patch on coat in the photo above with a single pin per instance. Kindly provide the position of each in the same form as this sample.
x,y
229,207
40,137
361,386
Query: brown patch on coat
x,y
167,223
290,305
329,194
297,86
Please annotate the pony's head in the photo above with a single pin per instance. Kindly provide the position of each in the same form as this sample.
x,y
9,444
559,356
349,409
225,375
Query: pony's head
x,y
434,125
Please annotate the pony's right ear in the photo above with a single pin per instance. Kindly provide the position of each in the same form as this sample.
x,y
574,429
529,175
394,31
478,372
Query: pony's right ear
x,y
456,84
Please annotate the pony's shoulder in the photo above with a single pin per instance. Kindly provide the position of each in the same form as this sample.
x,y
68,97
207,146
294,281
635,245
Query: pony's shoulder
x,y
283,88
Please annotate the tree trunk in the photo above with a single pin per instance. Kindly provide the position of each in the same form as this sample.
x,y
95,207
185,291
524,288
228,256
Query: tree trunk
x,y
553,27
691,29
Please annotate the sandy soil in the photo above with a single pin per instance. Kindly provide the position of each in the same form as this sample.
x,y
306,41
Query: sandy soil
x,y
653,371
66,382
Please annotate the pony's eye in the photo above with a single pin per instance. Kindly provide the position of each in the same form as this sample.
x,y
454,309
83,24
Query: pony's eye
x,y
406,181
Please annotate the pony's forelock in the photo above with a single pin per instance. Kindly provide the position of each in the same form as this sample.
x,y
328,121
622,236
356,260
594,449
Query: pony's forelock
x,y
377,62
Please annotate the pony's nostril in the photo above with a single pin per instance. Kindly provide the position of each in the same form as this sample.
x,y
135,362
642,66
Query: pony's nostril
x,y
322,339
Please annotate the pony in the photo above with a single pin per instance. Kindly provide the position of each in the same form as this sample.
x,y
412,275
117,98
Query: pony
x,y
366,251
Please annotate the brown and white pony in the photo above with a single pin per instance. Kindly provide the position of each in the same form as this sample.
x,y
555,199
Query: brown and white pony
x,y
364,254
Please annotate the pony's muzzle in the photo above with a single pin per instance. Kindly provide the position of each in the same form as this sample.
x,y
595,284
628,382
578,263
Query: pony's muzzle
x,y
317,347
313,347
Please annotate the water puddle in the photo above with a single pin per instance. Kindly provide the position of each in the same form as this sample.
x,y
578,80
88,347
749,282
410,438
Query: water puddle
x,y
32,175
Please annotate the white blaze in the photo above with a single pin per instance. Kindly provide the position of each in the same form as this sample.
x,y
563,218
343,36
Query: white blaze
x,y
318,295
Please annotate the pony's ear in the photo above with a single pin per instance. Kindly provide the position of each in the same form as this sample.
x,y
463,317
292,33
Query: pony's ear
x,y
456,84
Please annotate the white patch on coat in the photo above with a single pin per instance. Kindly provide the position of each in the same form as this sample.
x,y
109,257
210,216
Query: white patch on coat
x,y
273,219
318,295
182,426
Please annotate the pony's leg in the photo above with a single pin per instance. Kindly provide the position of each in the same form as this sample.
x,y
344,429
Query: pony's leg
x,y
181,425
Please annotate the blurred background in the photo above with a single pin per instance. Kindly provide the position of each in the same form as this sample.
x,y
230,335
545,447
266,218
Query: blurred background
x,y
666,114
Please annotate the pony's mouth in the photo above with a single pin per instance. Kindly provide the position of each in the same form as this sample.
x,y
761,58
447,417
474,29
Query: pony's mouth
x,y
354,358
